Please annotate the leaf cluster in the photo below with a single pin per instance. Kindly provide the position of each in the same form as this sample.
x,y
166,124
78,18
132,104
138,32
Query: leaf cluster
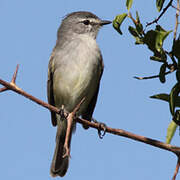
x,y
154,40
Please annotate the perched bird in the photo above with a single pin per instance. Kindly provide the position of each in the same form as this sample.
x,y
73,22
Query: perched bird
x,y
74,72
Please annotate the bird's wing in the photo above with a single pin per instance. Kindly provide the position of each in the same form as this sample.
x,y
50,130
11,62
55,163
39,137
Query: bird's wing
x,y
50,89
90,109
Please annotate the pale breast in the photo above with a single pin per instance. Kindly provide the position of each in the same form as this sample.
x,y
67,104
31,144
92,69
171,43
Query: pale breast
x,y
77,73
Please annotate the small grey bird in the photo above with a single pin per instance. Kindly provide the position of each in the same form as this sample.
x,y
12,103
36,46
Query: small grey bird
x,y
74,72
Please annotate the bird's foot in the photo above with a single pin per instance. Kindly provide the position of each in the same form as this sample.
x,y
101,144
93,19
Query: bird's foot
x,y
101,129
63,113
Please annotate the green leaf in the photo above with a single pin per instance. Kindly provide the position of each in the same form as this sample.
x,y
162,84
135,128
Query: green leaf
x,y
137,17
173,97
133,31
178,75
154,40
139,40
159,4
150,39
129,4
162,73
166,97
139,26
176,117
161,36
170,131
118,21
157,58
159,28
176,48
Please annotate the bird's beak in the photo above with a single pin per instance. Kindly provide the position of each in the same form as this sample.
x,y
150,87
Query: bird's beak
x,y
104,22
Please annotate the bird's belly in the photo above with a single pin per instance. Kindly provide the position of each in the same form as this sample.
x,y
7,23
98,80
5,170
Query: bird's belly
x,y
74,84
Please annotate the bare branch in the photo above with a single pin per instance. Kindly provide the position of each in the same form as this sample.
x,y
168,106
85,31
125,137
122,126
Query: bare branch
x,y
76,109
70,119
177,16
146,140
119,132
13,81
15,75
178,9
177,169
134,21
3,89
153,77
164,10
16,89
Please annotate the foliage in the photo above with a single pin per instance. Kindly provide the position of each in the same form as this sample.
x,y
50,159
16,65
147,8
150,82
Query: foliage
x,y
118,21
154,40
159,4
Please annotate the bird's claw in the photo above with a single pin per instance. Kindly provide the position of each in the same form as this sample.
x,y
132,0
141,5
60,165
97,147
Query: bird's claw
x,y
101,129
63,113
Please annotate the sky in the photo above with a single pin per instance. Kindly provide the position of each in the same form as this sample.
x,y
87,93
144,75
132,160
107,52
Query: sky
x,y
27,138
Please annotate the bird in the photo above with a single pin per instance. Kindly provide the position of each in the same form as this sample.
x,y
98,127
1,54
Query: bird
x,y
74,72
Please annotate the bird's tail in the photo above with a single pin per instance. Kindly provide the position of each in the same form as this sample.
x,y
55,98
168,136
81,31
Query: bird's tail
x,y
60,164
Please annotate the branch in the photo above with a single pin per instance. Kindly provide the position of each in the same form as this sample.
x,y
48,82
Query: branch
x,y
130,16
177,169
70,118
177,16
120,132
164,10
175,7
153,77
13,81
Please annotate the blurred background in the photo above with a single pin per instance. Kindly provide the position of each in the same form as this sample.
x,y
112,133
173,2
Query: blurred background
x,y
27,138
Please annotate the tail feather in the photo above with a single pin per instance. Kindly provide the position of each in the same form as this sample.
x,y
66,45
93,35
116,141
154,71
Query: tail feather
x,y
59,164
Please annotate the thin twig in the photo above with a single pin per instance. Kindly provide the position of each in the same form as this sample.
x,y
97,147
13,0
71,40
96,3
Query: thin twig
x,y
177,16
15,75
70,119
134,21
13,81
76,109
3,89
16,89
177,169
164,10
178,9
152,77
119,132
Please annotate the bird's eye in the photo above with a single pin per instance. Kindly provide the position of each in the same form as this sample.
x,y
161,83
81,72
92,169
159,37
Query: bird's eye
x,y
86,22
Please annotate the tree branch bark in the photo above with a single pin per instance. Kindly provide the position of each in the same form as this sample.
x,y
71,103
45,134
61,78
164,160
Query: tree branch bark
x,y
120,132
162,13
